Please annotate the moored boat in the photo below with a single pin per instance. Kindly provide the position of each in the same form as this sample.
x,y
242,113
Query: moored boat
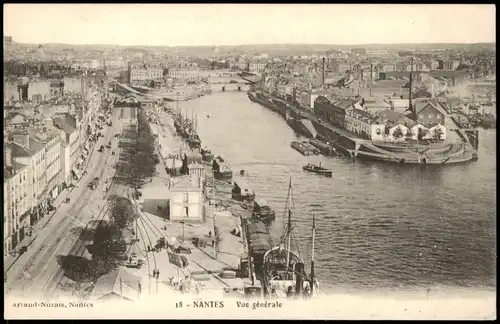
x,y
317,169
222,169
241,191
311,147
324,148
263,211
206,155
283,271
300,148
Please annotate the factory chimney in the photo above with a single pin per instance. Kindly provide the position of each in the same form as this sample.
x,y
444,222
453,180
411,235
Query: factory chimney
x,y
410,103
323,73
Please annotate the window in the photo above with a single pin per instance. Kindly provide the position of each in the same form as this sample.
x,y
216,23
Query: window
x,y
186,197
430,116
186,211
438,116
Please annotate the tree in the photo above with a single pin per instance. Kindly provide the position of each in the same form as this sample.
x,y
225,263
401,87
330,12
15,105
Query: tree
x,y
122,212
107,250
420,134
409,134
437,134
398,133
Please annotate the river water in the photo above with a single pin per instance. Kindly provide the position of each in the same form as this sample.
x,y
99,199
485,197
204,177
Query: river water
x,y
379,226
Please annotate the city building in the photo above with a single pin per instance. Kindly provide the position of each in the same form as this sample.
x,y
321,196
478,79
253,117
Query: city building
x,y
429,112
70,149
143,74
256,66
6,224
186,200
17,200
40,154
358,121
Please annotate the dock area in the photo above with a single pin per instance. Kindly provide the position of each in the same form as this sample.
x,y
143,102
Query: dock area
x,y
208,260
354,147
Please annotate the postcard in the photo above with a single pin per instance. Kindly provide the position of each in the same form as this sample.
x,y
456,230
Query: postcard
x,y
249,161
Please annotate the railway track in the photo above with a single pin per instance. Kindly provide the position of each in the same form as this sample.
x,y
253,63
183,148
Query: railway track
x,y
77,248
26,284
47,249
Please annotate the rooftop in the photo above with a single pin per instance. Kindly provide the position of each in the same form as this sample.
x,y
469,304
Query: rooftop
x,y
184,184
110,283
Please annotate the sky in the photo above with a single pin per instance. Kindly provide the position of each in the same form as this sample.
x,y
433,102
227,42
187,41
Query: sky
x,y
238,24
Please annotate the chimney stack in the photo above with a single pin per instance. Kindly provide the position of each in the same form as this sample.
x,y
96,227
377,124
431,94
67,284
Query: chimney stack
x,y
323,73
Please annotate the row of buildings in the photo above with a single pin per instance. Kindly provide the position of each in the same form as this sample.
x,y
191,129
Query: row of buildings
x,y
427,119
43,153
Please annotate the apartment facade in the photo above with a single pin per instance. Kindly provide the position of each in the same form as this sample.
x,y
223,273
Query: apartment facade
x,y
17,200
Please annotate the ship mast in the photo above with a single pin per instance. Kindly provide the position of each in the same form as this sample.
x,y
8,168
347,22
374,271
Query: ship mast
x,y
312,253
289,228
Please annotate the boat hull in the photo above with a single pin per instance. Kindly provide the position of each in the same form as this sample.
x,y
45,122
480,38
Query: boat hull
x,y
325,173
237,196
224,175
324,148
300,148
207,157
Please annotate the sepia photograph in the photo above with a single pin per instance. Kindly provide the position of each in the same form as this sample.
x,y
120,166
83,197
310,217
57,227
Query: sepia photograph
x,y
249,161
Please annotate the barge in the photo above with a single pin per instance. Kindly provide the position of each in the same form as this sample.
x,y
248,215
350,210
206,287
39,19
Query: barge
x,y
300,148
314,150
324,148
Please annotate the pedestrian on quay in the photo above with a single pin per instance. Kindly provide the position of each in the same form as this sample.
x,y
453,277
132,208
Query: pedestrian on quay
x,y
149,248
154,273
157,274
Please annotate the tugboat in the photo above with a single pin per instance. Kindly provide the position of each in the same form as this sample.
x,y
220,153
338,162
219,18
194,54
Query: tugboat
x,y
317,169
206,155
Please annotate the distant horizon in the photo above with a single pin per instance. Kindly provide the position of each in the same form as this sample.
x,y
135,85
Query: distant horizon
x,y
183,25
253,44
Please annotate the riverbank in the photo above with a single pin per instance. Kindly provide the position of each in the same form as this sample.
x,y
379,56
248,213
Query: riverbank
x,y
206,261
355,147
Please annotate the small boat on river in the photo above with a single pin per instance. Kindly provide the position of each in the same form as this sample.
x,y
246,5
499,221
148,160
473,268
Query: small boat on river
x,y
317,169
